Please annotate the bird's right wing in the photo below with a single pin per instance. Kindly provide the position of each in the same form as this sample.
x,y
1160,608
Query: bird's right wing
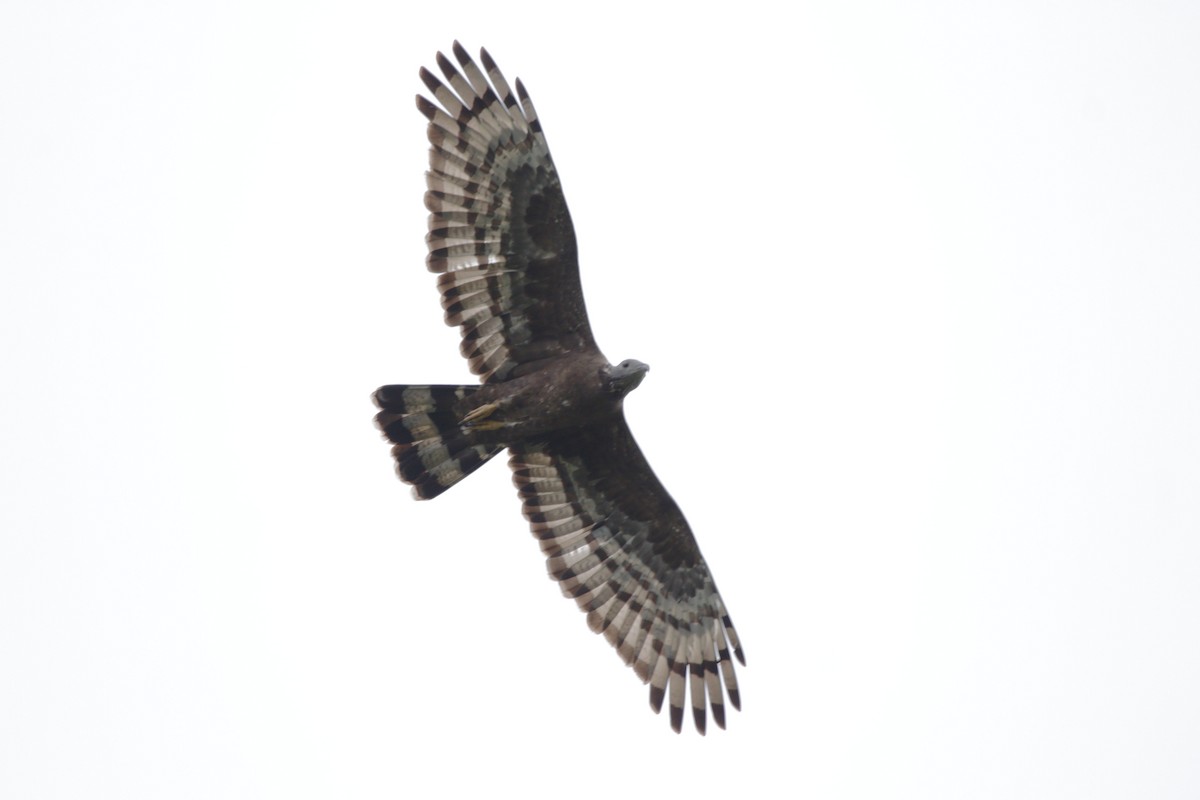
x,y
618,544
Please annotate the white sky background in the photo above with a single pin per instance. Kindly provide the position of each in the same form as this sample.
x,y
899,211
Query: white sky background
x,y
919,284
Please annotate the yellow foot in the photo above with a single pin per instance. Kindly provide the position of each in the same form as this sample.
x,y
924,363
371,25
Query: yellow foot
x,y
476,415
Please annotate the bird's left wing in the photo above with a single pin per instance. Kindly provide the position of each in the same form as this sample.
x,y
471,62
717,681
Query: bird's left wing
x,y
499,230
618,544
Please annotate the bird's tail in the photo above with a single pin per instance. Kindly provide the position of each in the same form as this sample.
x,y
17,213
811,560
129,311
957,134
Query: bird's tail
x,y
432,447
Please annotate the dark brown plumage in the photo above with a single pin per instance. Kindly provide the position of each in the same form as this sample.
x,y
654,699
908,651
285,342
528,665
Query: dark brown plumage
x,y
501,239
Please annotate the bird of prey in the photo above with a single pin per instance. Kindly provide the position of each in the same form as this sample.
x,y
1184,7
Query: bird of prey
x,y
501,242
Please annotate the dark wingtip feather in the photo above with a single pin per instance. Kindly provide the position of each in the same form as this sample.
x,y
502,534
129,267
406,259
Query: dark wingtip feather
x,y
489,63
677,719
718,712
428,109
657,696
430,80
445,65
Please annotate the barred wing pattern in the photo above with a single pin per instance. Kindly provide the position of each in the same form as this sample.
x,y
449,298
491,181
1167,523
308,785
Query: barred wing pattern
x,y
618,544
499,230
501,239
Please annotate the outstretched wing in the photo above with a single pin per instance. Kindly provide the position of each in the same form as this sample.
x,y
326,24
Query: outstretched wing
x,y
617,543
499,230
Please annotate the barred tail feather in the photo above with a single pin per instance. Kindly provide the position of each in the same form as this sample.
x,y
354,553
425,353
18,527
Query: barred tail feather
x,y
432,450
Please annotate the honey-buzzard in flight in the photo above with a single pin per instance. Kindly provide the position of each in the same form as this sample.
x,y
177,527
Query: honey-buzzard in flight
x,y
501,240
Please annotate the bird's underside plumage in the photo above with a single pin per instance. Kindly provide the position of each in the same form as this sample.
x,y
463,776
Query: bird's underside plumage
x,y
501,240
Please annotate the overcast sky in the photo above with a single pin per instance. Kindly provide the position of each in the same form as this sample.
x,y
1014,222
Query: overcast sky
x,y
920,287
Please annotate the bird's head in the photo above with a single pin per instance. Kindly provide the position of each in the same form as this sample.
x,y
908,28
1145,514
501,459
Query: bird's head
x,y
623,378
